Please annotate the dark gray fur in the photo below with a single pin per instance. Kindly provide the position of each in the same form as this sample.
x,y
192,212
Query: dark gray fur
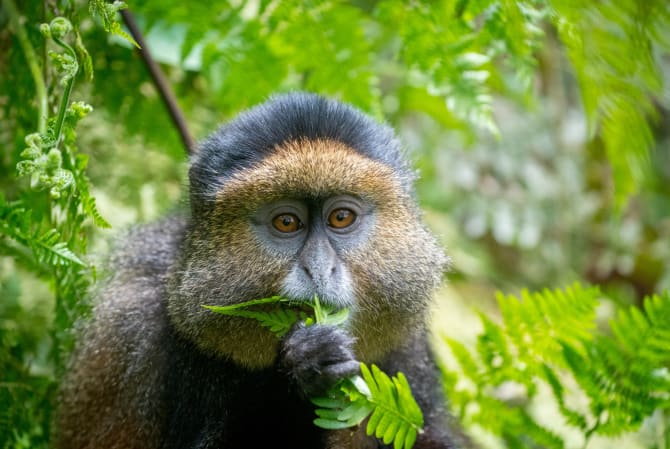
x,y
151,370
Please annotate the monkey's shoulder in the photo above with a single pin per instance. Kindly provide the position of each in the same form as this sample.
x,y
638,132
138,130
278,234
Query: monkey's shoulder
x,y
132,294
149,249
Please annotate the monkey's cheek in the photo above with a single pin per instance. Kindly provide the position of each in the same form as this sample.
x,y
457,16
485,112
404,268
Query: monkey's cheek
x,y
336,289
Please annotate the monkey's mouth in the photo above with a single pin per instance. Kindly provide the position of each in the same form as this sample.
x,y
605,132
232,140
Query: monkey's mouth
x,y
299,304
307,302
336,292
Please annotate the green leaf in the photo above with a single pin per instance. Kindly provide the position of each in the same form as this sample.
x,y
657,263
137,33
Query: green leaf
x,y
327,402
328,315
46,246
277,321
622,374
243,305
330,424
396,412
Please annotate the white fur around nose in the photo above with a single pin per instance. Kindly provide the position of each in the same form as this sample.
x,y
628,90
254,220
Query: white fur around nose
x,y
336,289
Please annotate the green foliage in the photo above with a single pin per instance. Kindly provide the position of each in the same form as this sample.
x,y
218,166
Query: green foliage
x,y
107,12
613,47
278,321
448,59
625,376
284,314
395,417
45,245
444,58
43,228
550,337
457,49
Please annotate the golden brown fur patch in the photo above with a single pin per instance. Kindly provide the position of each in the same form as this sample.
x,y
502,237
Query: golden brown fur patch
x,y
308,169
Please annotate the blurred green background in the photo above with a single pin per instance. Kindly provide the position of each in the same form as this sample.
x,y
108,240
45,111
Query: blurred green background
x,y
540,129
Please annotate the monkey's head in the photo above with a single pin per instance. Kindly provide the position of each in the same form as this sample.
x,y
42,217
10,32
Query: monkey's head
x,y
303,196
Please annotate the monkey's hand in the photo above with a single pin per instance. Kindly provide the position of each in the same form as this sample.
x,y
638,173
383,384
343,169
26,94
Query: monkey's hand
x,y
317,356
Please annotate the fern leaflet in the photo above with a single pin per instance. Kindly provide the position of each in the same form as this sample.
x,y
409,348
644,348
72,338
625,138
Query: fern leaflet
x,y
277,321
396,417
46,246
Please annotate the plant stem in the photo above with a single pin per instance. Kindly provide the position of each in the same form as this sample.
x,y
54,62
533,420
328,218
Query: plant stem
x,y
33,64
65,99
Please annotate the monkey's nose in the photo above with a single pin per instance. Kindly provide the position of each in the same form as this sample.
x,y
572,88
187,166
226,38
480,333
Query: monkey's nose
x,y
318,260
320,274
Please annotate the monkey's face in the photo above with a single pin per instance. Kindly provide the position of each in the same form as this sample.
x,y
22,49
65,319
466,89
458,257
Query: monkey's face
x,y
314,237
313,218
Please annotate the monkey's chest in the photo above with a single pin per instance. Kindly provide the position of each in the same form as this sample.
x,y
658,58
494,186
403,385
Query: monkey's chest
x,y
213,403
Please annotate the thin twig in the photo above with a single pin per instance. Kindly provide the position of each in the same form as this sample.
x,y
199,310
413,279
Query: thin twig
x,y
160,82
33,64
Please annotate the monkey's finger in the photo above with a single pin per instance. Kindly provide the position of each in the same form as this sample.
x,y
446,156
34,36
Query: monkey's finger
x,y
342,370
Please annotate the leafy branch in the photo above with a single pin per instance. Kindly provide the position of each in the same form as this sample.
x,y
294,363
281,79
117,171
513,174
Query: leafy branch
x,y
394,415
48,233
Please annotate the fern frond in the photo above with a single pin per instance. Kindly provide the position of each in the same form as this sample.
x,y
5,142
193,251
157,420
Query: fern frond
x,y
397,417
538,321
48,249
573,417
324,314
46,246
278,321
612,48
345,406
107,13
551,336
91,209
394,414
626,377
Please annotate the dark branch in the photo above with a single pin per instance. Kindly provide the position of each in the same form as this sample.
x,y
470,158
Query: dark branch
x,y
160,82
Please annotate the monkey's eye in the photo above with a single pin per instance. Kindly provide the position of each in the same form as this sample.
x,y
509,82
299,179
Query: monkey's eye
x,y
286,223
341,218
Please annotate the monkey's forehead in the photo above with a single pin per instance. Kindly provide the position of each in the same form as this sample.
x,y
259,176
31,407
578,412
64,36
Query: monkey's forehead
x,y
312,168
